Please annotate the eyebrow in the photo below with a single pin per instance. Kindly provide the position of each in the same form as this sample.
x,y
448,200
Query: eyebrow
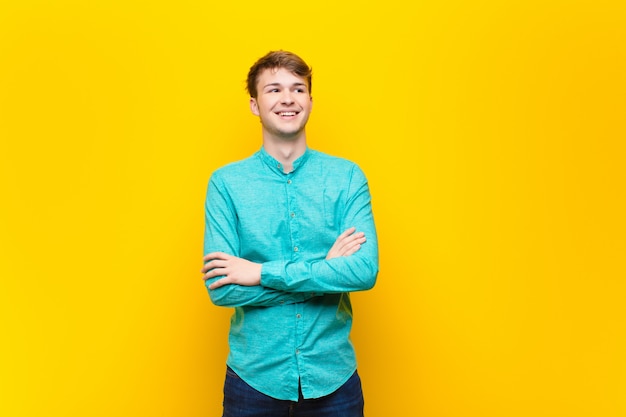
x,y
280,85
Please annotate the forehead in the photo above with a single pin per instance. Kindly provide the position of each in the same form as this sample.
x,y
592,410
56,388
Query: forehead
x,y
280,76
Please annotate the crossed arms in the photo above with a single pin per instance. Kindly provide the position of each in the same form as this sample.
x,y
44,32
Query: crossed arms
x,y
235,270
350,264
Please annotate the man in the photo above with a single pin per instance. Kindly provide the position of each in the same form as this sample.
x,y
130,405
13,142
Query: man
x,y
289,233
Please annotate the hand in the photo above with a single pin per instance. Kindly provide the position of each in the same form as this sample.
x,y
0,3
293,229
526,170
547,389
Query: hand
x,y
346,244
233,269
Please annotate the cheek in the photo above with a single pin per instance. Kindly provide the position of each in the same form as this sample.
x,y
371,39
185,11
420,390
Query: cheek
x,y
264,106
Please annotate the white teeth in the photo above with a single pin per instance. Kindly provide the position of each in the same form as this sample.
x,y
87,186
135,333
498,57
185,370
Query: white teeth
x,y
287,113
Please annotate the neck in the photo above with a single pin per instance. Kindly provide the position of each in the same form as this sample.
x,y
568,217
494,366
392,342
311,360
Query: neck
x,y
285,151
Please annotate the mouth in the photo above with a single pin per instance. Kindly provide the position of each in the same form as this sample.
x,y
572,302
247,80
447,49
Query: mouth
x,y
287,113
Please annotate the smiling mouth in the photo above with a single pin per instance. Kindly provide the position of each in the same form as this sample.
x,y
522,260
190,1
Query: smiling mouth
x,y
287,113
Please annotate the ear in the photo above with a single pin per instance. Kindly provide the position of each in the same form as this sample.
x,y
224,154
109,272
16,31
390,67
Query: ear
x,y
254,107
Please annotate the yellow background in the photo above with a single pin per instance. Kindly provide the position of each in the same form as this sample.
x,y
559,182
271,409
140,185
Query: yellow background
x,y
492,134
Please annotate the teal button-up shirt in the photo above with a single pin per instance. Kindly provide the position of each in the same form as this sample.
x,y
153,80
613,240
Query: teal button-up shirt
x,y
294,329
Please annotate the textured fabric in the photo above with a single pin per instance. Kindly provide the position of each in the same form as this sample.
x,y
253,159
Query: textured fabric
x,y
295,326
241,400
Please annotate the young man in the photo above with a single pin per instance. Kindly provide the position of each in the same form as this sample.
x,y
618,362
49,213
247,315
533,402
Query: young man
x,y
289,234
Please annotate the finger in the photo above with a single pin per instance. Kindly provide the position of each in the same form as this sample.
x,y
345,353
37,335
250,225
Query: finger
x,y
219,283
214,255
343,236
352,236
215,272
355,241
352,250
352,246
216,263
347,232
350,240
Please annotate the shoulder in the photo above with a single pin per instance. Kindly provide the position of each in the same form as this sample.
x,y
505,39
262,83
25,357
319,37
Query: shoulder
x,y
333,162
338,167
235,170
337,171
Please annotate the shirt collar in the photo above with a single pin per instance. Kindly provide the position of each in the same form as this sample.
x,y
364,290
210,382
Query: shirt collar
x,y
276,166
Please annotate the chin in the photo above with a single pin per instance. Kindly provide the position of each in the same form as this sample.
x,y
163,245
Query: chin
x,y
289,136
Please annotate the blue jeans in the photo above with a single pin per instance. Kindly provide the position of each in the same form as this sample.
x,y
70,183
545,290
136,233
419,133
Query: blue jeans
x,y
241,400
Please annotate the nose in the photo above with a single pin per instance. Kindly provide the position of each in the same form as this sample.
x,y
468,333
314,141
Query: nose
x,y
286,97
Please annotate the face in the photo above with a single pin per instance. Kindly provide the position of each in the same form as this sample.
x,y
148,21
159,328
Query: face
x,y
283,104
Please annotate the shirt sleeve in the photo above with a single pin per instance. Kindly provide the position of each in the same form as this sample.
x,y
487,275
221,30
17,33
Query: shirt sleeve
x,y
220,235
356,272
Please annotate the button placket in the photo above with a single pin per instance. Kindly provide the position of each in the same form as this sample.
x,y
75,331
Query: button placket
x,y
292,210
299,326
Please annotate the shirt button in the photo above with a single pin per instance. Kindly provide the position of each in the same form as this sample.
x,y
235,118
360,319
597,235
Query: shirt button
x,y
293,214
288,181
295,249
297,351
298,316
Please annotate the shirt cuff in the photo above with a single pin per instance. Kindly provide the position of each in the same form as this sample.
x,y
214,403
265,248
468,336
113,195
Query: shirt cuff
x,y
272,275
